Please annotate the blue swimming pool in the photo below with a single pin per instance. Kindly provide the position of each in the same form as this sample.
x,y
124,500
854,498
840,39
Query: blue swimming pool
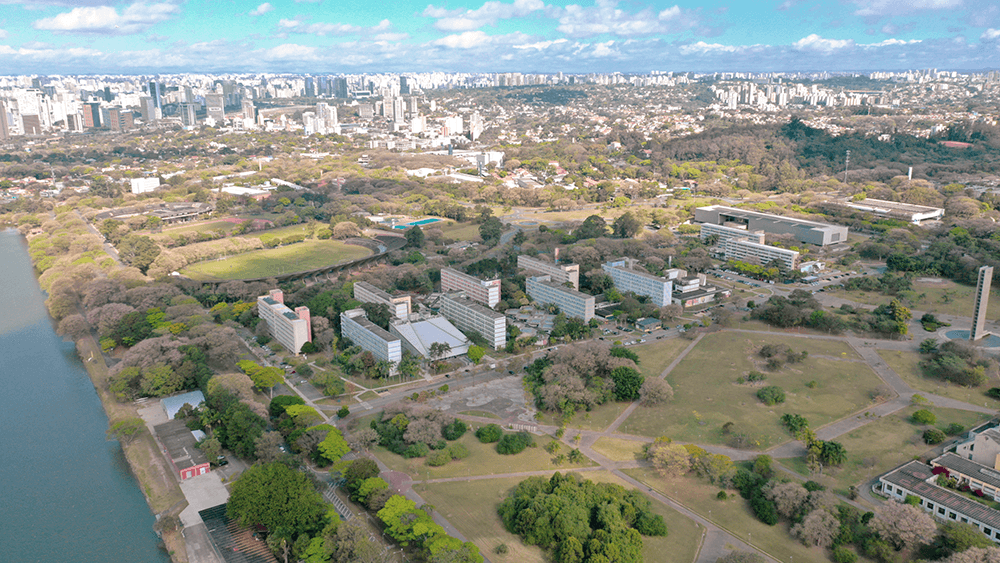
x,y
415,223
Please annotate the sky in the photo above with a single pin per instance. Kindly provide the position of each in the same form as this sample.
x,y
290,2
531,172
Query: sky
x,y
576,36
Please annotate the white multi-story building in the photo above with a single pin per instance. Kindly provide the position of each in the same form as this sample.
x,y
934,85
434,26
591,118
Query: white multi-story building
x,y
541,289
355,326
640,283
723,234
290,328
487,292
400,307
755,253
473,317
143,185
560,273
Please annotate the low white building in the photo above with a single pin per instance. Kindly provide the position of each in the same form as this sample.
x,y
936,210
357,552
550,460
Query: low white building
x,y
418,337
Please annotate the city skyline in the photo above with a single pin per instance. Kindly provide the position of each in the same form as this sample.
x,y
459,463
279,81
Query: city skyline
x,y
95,37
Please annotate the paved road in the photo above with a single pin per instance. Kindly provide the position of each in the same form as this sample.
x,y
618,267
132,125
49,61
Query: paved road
x,y
112,252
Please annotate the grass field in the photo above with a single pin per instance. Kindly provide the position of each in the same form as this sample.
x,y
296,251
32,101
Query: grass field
x,y
299,257
706,395
654,357
944,297
471,507
597,419
907,365
460,231
882,445
732,514
483,460
617,449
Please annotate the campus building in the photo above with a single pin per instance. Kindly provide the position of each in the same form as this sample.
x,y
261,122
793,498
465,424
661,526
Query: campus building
x,y
561,273
723,233
400,307
417,338
919,480
290,328
638,282
694,291
356,327
820,234
541,289
487,292
473,317
745,250
897,210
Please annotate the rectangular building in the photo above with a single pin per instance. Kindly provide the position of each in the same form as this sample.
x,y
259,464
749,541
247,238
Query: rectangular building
x,y
723,234
640,283
355,326
400,307
761,254
179,443
487,292
143,185
290,328
418,338
541,289
695,291
897,210
561,273
473,317
820,234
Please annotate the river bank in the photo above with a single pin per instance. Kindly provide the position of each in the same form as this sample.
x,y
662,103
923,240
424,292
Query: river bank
x,y
163,493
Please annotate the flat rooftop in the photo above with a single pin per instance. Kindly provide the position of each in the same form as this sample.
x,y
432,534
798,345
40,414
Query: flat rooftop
x,y
747,214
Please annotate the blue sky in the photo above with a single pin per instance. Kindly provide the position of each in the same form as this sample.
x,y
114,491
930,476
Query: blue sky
x,y
355,36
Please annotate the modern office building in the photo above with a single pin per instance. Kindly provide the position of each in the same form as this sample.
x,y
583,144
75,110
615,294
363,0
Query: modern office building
x,y
400,307
756,253
91,115
473,317
418,337
896,210
820,234
723,234
290,328
541,289
560,273
215,108
4,122
982,303
188,113
693,291
487,292
354,325
638,282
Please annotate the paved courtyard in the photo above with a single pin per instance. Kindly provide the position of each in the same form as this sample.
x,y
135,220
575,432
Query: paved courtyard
x,y
503,397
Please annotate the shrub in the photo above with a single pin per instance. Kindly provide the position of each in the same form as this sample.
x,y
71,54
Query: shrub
x,y
813,486
721,496
455,430
343,412
438,458
771,395
764,509
489,433
842,554
923,416
812,384
458,451
438,444
994,393
511,444
650,524
502,549
954,429
933,436
794,422
416,450
755,376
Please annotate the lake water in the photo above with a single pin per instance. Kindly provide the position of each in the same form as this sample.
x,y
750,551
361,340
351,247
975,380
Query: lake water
x,y
67,493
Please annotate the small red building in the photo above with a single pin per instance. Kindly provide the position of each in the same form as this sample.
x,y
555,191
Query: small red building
x,y
178,443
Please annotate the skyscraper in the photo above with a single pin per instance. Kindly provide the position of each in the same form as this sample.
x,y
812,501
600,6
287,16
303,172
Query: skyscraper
x,y
404,85
982,302
148,109
4,122
154,92
215,107
340,87
91,115
188,118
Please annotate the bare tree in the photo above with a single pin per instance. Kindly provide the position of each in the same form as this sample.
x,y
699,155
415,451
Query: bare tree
x,y
788,498
819,528
975,555
74,326
655,391
904,525
268,447
422,431
669,460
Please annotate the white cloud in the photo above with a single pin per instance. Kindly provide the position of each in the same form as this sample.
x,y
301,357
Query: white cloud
x,y
816,43
289,24
890,43
466,40
702,48
392,37
605,18
262,9
3,34
339,29
542,45
106,20
290,51
990,35
877,8
488,14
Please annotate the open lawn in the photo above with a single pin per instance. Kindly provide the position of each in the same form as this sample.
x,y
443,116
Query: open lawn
x,y
483,460
707,395
299,257
471,507
609,215
882,445
617,449
732,514
597,419
655,356
201,227
907,365
940,297
459,231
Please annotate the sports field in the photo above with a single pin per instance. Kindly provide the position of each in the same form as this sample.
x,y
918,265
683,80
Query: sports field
x,y
828,385
299,257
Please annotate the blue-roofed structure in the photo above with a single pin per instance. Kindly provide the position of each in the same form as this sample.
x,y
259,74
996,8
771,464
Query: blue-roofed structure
x,y
173,404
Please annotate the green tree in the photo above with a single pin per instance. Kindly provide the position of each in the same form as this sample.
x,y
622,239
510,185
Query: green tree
x,y
628,382
959,537
334,446
126,430
278,497
415,237
476,353
593,227
626,225
138,251
490,231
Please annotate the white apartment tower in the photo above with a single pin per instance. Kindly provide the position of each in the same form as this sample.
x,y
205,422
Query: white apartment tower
x,y
290,328
487,292
473,317
560,273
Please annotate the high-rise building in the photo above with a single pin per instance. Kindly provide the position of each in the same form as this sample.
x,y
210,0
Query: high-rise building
x,y
310,87
365,111
487,292
473,317
340,87
155,93
188,116
399,306
541,289
4,122
147,108
560,273
356,327
640,283
982,302
215,108
91,115
290,328
248,109
404,85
